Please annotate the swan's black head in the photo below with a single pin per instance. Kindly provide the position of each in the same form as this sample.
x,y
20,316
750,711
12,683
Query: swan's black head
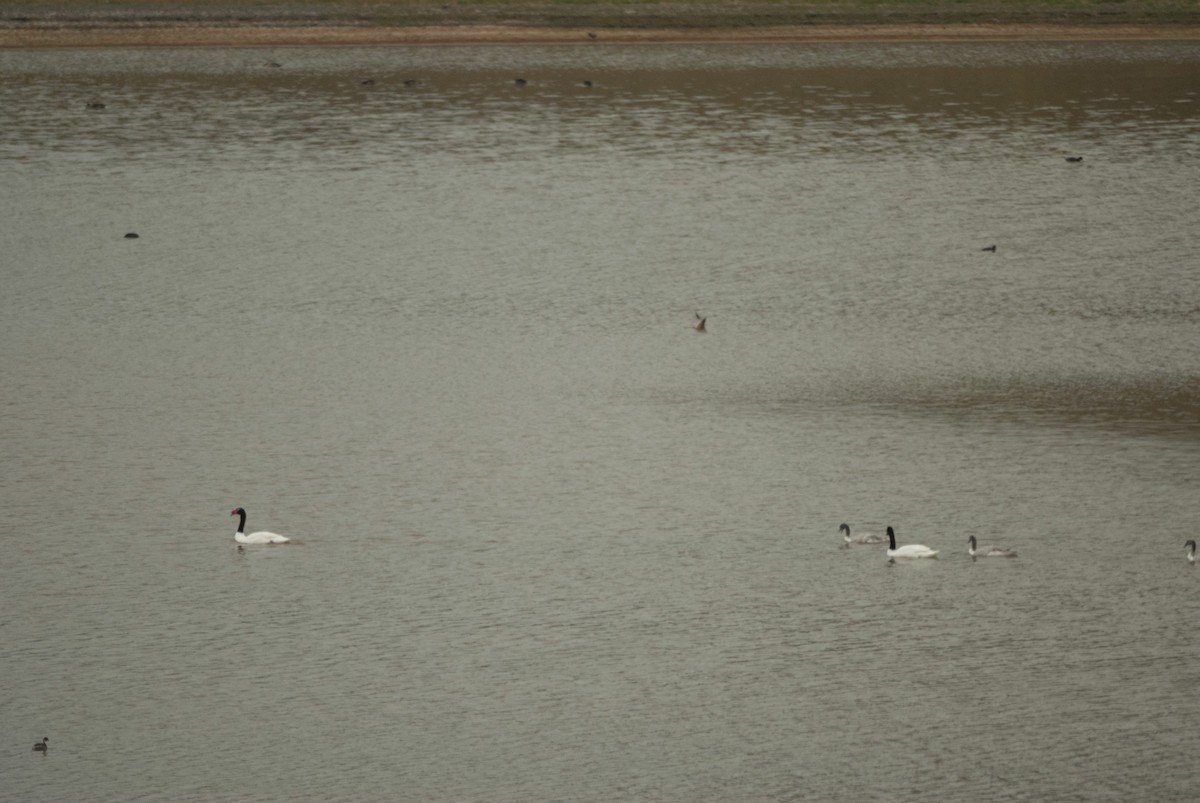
x,y
844,528
237,511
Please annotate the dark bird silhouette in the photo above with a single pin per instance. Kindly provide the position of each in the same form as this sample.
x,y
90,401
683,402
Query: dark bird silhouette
x,y
132,235
699,327
520,81
991,248
43,745
1074,158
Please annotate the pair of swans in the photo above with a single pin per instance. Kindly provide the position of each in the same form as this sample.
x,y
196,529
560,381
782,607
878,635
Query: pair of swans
x,y
906,551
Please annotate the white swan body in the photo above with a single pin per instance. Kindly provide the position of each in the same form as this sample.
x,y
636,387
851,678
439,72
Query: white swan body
x,y
1191,551
988,551
262,537
908,550
861,538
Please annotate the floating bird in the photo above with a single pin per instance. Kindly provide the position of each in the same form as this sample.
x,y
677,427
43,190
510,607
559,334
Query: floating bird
x,y
908,550
95,105
587,83
1191,551
1074,158
367,82
262,537
410,81
861,538
520,81
991,248
131,235
591,34
699,326
43,745
988,551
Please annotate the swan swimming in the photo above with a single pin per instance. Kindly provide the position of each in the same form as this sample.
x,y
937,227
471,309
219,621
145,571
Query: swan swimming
x,y
861,538
988,551
908,550
1191,551
254,538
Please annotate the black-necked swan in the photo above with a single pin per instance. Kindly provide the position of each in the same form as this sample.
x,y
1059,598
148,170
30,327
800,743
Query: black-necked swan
x,y
908,550
262,537
861,538
1191,551
43,745
988,551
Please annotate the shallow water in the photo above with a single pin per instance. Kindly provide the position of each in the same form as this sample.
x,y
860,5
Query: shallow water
x,y
550,543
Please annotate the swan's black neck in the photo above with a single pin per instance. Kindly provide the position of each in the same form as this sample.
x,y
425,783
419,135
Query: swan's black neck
x,y
891,539
241,520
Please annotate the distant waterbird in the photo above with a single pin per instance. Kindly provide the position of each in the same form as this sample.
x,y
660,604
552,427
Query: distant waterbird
x,y
699,325
988,551
43,745
908,550
1191,551
861,538
261,537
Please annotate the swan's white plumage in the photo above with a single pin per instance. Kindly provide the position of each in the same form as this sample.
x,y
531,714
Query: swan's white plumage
x,y
261,537
988,551
908,550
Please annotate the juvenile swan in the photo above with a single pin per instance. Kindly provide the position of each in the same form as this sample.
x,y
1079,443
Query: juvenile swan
x,y
861,538
908,550
988,551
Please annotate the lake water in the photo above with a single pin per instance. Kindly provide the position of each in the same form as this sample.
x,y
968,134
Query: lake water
x,y
549,542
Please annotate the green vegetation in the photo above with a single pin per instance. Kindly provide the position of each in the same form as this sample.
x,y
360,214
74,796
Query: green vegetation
x,y
593,14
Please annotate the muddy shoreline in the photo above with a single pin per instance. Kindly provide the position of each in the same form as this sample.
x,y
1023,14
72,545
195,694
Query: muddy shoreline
x,y
85,23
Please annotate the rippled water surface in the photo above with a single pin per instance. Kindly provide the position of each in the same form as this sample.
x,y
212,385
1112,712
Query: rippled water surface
x,y
549,542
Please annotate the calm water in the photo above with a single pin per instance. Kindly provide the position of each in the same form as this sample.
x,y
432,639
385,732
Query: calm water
x,y
550,543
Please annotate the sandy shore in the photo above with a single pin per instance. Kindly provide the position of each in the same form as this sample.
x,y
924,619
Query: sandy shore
x,y
265,35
